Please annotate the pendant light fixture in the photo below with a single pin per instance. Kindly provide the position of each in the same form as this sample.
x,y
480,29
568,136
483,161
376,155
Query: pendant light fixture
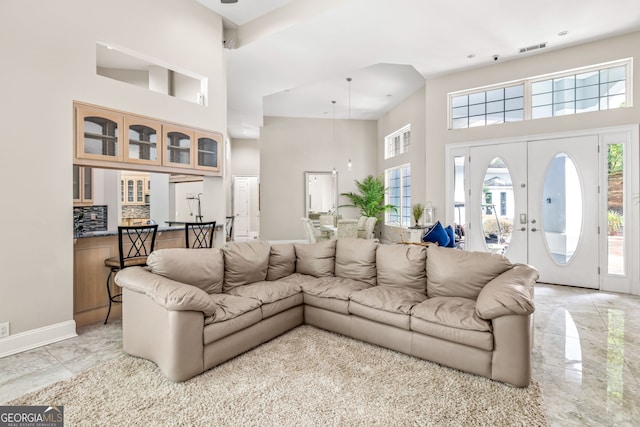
x,y
349,164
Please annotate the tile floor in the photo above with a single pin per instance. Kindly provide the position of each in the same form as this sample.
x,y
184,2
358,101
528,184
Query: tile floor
x,y
586,356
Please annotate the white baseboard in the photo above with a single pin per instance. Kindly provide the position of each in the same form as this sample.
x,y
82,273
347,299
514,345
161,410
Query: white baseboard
x,y
37,338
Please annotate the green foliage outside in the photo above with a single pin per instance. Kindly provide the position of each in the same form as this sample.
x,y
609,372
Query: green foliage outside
x,y
614,157
614,219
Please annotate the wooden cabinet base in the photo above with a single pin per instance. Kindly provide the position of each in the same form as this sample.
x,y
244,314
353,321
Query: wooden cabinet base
x,y
90,299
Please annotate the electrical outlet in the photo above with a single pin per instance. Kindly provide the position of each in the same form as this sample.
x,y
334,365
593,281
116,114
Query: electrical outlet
x,y
4,329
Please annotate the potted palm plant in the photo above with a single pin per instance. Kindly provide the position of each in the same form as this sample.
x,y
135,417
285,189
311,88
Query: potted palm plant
x,y
369,198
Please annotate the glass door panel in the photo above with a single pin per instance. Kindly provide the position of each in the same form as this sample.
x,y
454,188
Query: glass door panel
x,y
179,146
562,208
208,155
142,142
615,209
497,209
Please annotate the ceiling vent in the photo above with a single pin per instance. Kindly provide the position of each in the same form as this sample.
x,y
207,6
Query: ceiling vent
x,y
533,47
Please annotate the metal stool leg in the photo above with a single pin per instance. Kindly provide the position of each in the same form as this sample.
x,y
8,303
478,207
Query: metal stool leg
x,y
112,298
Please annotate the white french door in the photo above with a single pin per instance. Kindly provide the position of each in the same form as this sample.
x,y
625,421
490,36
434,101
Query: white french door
x,y
536,202
489,227
563,210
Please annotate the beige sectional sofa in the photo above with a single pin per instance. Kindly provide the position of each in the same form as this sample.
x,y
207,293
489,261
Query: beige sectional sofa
x,y
191,310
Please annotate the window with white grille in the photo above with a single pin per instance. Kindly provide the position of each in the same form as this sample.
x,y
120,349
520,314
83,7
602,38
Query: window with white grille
x,y
398,142
398,184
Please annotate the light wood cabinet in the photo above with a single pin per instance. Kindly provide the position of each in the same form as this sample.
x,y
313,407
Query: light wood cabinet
x,y
134,189
98,134
118,140
208,150
82,186
179,144
143,141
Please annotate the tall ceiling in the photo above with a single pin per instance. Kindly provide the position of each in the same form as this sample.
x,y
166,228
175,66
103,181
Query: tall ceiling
x,y
292,57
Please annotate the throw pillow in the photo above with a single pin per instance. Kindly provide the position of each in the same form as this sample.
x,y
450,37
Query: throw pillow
x,y
437,234
316,259
452,236
245,263
461,273
282,261
402,266
202,268
356,259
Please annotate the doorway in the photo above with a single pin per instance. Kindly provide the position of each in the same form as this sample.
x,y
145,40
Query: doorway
x,y
246,208
564,205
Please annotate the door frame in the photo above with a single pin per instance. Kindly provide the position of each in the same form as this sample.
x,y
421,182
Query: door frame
x,y
253,234
628,135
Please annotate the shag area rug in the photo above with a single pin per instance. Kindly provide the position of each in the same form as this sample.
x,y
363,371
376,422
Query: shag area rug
x,y
307,377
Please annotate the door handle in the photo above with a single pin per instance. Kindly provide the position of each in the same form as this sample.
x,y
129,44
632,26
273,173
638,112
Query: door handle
x,y
534,229
523,229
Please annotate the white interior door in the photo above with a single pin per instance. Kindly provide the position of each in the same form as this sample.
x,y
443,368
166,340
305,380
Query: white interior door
x,y
563,210
497,212
246,208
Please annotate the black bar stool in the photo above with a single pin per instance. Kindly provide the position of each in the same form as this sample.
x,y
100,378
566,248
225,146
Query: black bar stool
x,y
200,234
135,243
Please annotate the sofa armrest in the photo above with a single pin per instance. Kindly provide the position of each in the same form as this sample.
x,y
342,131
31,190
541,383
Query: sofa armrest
x,y
172,295
509,293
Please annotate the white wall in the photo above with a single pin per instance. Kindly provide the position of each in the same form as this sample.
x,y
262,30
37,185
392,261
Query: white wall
x,y
245,157
288,147
48,51
553,61
410,111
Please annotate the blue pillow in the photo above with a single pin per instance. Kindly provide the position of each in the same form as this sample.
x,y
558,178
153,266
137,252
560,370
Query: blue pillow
x,y
452,236
437,234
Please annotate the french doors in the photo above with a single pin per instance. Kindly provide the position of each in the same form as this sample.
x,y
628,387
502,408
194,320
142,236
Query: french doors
x,y
536,202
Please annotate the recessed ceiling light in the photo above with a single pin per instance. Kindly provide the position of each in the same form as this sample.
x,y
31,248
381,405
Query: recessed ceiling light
x,y
471,55
563,33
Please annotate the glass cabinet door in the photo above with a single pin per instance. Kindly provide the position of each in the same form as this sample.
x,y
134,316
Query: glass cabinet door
x,y
98,134
143,140
208,154
82,185
179,146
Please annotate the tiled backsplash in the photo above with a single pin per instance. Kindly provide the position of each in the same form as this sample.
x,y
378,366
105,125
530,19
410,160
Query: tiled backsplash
x,y
136,211
89,218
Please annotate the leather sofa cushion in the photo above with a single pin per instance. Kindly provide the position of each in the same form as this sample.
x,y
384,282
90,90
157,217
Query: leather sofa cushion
x,y
231,306
509,293
331,293
267,292
233,314
316,259
477,339
402,266
273,308
356,259
385,304
455,273
245,263
282,261
451,311
331,304
453,319
333,287
202,268
393,300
